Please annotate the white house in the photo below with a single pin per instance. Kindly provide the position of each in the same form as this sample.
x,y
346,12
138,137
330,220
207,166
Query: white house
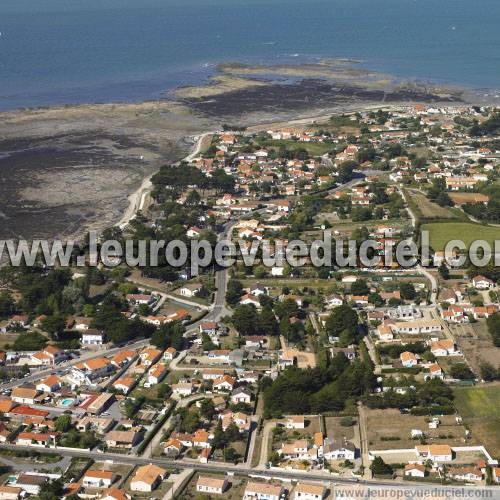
x,y
147,478
190,290
408,359
443,347
414,470
262,491
211,485
295,422
93,337
304,491
434,452
482,283
241,395
338,449
98,478
52,383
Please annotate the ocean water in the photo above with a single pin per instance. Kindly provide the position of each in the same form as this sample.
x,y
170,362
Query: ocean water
x,y
74,51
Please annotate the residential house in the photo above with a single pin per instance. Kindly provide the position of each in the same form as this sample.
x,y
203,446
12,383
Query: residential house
x,y
124,384
468,474
295,422
305,491
173,447
149,356
147,478
169,353
183,389
482,283
338,449
43,439
49,356
414,470
31,483
123,439
190,289
10,492
241,395
140,298
52,383
434,452
211,485
93,338
114,494
262,491
444,347
94,478
408,359
157,373
24,395
333,300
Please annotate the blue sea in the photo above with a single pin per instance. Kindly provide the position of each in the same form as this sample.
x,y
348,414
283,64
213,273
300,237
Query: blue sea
x,y
78,51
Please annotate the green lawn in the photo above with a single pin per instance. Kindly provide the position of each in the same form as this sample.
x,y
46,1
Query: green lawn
x,y
478,401
440,233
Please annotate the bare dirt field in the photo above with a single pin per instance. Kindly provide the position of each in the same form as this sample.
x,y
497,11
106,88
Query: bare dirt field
x,y
476,344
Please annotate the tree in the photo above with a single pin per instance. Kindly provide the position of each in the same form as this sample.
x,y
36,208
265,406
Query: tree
x,y
461,371
489,372
169,335
268,321
380,468
346,171
7,305
360,287
63,423
407,291
30,341
246,320
341,318
207,409
230,455
51,490
234,292
163,391
493,323
54,325
443,270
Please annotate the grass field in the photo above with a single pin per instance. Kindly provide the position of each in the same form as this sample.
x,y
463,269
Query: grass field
x,y
313,148
440,233
427,208
480,409
478,401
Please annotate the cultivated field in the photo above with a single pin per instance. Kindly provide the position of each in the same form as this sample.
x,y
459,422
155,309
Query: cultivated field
x,y
480,409
441,233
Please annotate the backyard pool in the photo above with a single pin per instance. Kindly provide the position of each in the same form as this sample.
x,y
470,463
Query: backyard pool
x,y
66,402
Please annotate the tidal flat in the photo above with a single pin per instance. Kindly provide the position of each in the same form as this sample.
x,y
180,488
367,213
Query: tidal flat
x,y
67,169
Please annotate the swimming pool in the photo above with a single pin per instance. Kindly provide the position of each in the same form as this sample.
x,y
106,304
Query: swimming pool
x,y
66,402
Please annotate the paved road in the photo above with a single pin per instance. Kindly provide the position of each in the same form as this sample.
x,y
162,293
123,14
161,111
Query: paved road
x,y
241,469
